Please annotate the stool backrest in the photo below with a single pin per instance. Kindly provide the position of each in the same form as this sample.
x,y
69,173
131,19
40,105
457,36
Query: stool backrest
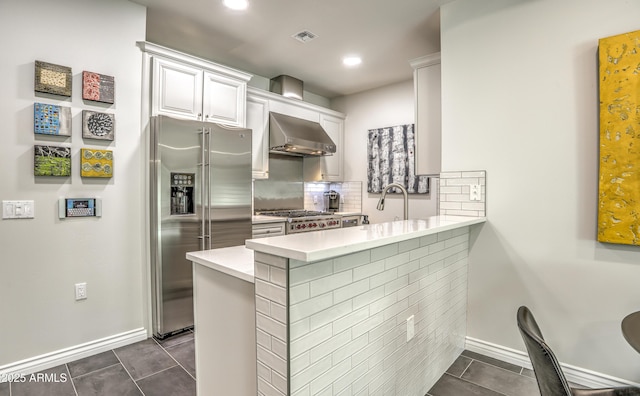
x,y
551,379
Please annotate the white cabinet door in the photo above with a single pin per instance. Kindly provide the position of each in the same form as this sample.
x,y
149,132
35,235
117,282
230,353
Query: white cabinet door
x,y
332,165
224,100
258,121
328,167
177,89
428,136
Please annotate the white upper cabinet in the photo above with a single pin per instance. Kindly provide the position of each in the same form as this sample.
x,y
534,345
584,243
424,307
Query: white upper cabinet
x,y
328,167
331,166
177,89
428,134
258,122
188,87
224,99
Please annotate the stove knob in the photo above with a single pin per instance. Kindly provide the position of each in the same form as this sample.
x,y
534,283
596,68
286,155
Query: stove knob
x,y
322,225
298,226
304,226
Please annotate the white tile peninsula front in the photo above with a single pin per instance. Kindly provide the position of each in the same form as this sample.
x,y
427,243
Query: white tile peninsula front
x,y
332,307
224,321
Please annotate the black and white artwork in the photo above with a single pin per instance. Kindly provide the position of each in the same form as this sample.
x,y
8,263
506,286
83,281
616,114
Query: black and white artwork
x,y
391,160
97,125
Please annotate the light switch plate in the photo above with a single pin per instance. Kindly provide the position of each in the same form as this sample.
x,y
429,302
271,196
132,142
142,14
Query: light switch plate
x,y
18,209
475,192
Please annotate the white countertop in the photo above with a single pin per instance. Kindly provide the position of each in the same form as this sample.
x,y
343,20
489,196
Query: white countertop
x,y
236,261
322,245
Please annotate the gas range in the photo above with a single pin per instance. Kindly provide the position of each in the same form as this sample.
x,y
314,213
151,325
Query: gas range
x,y
299,220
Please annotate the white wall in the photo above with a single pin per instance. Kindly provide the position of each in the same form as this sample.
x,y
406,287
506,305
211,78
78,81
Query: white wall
x,y
520,100
387,106
41,259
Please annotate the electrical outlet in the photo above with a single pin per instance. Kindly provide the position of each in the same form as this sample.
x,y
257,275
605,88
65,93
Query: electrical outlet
x,y
411,330
315,199
475,192
81,291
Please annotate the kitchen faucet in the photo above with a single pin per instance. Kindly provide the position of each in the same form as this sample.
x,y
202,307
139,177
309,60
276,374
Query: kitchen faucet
x,y
404,193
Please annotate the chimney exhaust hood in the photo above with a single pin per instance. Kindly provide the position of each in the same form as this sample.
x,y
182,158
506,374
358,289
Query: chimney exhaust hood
x,y
295,136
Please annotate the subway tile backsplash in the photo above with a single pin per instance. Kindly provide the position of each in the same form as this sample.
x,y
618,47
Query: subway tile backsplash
x,y
350,194
454,193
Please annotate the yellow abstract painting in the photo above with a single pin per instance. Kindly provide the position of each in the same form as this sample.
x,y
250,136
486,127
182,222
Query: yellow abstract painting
x,y
96,163
619,183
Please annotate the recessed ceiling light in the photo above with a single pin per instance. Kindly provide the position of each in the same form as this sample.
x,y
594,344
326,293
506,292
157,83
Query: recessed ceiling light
x,y
351,60
236,4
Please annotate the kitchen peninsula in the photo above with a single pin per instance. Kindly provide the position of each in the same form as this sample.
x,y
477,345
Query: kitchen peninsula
x,y
373,309
380,306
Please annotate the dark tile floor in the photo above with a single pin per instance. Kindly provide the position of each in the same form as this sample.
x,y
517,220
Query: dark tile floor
x,y
146,368
473,374
167,368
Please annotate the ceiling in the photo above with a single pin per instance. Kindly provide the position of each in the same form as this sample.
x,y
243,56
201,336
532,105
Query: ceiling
x,y
385,33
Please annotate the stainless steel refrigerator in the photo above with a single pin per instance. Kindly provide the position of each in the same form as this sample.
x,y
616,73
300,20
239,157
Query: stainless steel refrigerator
x,y
200,199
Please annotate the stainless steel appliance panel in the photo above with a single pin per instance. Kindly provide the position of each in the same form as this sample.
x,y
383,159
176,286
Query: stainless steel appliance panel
x,y
176,147
350,221
230,186
284,188
300,220
220,214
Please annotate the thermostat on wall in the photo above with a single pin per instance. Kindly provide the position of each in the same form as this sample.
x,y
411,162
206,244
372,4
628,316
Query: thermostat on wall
x,y
79,207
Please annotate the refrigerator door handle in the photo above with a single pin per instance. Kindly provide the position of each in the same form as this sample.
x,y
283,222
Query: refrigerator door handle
x,y
201,165
208,192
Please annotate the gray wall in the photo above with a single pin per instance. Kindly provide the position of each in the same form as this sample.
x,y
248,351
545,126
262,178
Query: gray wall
x,y
520,100
41,259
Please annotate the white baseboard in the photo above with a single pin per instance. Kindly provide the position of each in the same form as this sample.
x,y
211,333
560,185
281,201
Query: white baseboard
x,y
577,375
62,356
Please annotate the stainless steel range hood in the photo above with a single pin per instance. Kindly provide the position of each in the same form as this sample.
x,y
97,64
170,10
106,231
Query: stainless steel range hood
x,y
295,136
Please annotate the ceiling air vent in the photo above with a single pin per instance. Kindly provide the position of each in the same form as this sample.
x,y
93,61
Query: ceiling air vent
x,y
304,36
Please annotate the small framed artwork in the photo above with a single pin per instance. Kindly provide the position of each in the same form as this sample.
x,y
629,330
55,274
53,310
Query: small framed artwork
x,y
98,125
98,87
53,79
52,161
51,119
96,163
